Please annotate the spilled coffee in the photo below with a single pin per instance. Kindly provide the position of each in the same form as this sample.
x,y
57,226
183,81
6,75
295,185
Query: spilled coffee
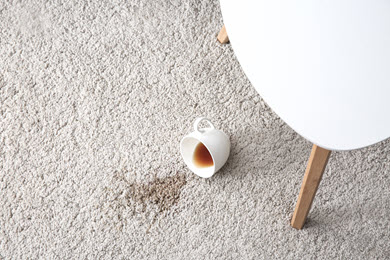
x,y
202,157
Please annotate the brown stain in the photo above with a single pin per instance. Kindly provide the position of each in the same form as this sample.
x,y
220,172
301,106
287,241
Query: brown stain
x,y
162,192
146,200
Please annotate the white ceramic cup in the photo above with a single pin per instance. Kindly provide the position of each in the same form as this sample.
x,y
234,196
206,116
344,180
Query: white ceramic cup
x,y
216,142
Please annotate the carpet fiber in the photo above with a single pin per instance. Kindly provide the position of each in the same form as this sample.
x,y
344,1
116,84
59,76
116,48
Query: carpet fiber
x,y
94,99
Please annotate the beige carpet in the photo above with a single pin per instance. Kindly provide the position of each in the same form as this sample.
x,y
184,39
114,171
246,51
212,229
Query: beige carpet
x,y
94,99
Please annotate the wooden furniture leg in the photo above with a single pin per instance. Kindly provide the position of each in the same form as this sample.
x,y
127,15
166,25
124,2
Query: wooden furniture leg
x,y
222,36
314,170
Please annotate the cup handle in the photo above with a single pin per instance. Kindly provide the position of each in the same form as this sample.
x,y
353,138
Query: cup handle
x,y
200,119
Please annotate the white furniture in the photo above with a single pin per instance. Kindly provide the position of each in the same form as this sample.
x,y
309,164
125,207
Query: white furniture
x,y
322,66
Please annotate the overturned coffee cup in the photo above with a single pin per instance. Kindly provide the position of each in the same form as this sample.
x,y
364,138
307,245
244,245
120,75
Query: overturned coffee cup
x,y
205,150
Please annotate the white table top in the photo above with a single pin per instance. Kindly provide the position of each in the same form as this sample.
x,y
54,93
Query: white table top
x,y
322,66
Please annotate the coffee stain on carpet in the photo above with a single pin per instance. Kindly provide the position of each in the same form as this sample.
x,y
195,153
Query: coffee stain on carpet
x,y
148,199
162,192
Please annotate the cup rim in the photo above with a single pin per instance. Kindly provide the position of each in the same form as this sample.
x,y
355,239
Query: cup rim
x,y
193,168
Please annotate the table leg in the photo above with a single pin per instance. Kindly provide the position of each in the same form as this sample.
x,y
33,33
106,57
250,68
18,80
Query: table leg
x,y
222,36
314,170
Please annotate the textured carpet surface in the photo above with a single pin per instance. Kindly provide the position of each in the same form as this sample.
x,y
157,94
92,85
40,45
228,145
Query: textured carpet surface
x,y
94,99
